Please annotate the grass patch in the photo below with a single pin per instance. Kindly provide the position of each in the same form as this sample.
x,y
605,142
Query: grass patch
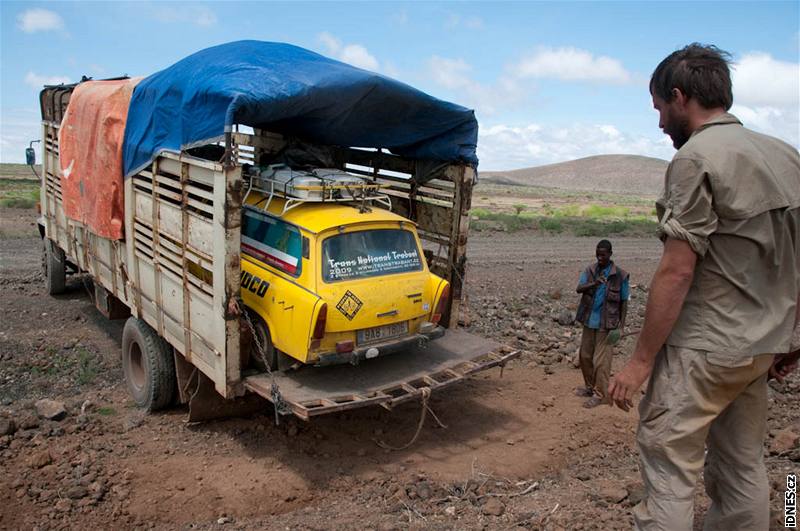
x,y
78,363
106,411
603,223
87,367
19,193
551,225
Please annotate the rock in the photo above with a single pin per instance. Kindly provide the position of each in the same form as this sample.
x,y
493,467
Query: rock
x,y
636,493
548,369
785,440
493,507
63,505
7,427
28,422
132,422
555,294
549,401
424,491
583,475
77,492
613,494
565,318
98,489
224,520
40,459
50,409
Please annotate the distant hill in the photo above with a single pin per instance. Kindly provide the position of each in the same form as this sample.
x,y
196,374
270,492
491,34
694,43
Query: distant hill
x,y
628,174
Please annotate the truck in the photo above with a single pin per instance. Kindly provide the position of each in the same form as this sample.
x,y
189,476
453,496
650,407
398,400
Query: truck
x,y
303,241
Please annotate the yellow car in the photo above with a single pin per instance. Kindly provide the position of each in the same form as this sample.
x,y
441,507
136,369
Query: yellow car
x,y
328,283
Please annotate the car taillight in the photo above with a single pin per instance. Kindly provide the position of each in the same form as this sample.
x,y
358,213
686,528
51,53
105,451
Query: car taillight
x,y
322,317
441,305
343,347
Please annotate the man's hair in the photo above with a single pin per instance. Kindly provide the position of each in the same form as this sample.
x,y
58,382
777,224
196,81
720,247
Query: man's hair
x,y
604,244
699,71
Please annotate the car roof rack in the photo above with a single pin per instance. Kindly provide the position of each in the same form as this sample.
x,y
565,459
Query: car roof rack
x,y
303,187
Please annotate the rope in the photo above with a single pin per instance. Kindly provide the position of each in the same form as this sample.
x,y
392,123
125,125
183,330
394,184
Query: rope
x,y
425,394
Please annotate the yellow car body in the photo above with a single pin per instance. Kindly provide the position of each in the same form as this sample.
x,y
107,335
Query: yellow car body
x,y
335,284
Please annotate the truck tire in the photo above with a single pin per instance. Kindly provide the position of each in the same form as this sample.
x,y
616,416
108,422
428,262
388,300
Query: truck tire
x,y
271,355
54,263
148,365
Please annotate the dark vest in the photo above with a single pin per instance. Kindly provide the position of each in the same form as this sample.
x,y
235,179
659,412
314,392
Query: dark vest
x,y
612,306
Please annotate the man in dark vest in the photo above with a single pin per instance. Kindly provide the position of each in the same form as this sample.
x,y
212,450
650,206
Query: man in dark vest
x,y
604,293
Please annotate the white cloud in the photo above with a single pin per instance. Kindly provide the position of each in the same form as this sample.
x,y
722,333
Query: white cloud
x,y
33,20
20,126
503,147
766,95
450,73
571,64
758,79
354,54
455,75
198,15
37,81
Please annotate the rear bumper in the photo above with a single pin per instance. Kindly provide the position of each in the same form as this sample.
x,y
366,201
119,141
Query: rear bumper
x,y
378,349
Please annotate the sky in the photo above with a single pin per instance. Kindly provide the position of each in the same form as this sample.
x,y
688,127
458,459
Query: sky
x,y
549,81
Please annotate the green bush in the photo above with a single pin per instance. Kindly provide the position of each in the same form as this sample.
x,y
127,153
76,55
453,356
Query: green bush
x,y
551,225
600,211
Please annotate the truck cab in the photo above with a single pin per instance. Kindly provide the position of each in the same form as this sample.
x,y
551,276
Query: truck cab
x,y
329,282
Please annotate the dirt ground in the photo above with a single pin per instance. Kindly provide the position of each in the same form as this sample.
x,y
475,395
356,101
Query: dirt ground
x,y
518,450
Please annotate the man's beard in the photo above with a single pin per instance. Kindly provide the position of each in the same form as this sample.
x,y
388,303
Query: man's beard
x,y
678,131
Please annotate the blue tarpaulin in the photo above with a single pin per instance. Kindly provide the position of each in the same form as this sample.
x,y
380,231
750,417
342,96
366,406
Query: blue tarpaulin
x,y
295,92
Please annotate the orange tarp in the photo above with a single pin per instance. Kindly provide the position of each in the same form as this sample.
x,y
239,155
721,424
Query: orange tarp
x,y
90,143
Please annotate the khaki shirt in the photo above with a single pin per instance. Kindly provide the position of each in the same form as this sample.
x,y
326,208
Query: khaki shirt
x,y
734,196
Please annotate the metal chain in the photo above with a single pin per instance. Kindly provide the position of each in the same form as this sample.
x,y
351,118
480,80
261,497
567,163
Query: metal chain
x,y
281,407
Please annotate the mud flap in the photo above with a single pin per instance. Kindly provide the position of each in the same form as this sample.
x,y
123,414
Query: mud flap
x,y
205,403
385,381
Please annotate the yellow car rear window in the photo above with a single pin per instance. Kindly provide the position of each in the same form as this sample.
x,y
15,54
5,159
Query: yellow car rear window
x,y
369,253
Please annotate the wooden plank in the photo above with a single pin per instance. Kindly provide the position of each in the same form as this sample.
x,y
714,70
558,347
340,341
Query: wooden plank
x,y
313,391
376,159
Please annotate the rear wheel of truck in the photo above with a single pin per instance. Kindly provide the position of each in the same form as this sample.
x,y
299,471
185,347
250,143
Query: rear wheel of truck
x,y
148,365
270,355
54,263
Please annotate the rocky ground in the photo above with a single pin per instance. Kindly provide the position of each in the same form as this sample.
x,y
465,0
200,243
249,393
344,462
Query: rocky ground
x,y
518,450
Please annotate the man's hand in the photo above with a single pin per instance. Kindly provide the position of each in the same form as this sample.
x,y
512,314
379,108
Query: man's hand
x,y
783,365
625,384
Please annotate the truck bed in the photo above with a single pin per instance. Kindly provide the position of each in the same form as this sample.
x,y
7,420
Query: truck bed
x,y
385,381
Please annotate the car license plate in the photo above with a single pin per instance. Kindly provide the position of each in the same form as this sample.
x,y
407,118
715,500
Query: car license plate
x,y
381,333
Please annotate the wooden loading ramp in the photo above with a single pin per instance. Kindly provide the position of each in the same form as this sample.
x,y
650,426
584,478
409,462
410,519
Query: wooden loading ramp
x,y
385,381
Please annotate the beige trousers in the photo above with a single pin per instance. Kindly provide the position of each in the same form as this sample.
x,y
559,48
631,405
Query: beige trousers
x,y
595,359
693,406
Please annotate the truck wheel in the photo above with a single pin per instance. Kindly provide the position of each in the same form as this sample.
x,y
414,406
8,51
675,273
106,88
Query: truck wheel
x,y
263,335
55,268
148,365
